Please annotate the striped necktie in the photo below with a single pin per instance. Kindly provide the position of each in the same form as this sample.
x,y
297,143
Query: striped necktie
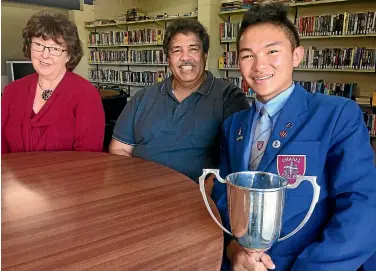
x,y
260,139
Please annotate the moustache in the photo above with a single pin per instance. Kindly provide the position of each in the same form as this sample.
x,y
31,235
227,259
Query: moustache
x,y
187,63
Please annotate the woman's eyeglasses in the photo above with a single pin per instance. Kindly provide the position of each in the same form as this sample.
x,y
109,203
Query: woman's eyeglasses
x,y
55,51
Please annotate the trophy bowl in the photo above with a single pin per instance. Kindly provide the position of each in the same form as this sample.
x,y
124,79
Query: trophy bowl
x,y
255,202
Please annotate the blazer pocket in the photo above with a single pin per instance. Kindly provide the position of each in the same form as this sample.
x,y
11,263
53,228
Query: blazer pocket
x,y
299,158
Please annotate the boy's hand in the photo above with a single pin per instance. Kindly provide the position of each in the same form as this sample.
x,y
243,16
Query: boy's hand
x,y
243,260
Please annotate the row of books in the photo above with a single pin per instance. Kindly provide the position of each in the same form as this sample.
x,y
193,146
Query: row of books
x,y
127,77
320,86
339,58
139,36
155,56
139,18
229,31
364,100
229,60
243,4
231,5
322,58
370,120
338,24
329,88
239,82
135,14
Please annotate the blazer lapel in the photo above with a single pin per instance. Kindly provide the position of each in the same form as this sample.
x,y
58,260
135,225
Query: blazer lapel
x,y
282,132
242,140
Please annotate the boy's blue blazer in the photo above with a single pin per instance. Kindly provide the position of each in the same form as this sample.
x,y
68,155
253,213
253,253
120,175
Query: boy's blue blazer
x,y
329,135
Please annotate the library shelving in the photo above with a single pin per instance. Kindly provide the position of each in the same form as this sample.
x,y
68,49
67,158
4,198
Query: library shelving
x,y
318,37
120,23
128,46
312,70
126,64
295,5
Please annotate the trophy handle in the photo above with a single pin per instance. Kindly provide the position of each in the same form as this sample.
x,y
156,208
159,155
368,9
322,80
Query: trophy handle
x,y
203,192
315,198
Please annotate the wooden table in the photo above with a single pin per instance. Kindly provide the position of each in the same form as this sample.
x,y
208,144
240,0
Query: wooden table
x,y
96,211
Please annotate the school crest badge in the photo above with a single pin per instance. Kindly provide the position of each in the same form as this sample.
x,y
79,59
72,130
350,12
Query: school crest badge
x,y
289,166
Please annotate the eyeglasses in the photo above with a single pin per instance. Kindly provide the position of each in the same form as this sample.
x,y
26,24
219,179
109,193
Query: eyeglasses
x,y
37,47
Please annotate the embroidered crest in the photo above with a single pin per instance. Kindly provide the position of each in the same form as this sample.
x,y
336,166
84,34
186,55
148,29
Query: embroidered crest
x,y
289,166
260,144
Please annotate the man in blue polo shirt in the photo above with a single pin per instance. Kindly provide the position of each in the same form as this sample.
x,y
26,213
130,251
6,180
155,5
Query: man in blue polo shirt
x,y
177,122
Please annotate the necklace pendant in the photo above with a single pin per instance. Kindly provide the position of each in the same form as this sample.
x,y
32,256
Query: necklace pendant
x,y
46,94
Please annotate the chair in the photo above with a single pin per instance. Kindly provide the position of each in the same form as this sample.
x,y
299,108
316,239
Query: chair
x,y
113,102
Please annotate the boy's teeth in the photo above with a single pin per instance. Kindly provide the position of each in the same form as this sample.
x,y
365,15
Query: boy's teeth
x,y
264,77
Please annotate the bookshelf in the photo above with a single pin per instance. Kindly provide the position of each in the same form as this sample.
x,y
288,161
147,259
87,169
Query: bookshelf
x,y
313,70
127,64
294,5
338,37
334,70
321,2
319,37
124,45
100,26
128,54
227,16
119,84
120,23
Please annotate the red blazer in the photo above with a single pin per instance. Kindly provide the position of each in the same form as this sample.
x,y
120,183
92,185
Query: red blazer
x,y
72,119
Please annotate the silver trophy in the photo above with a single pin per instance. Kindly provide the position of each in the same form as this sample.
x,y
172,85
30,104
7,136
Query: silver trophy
x,y
255,206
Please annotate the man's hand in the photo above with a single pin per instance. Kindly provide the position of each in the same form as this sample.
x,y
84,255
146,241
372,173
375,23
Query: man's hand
x,y
243,260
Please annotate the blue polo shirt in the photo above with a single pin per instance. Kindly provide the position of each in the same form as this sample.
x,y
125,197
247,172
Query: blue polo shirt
x,y
182,135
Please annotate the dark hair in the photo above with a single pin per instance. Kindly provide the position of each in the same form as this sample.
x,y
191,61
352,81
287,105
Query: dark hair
x,y
186,26
274,13
55,26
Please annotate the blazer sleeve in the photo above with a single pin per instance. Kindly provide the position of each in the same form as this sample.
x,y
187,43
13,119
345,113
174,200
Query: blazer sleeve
x,y
6,101
349,238
90,121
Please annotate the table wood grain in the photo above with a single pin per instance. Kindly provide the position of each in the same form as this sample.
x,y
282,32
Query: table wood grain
x,y
97,211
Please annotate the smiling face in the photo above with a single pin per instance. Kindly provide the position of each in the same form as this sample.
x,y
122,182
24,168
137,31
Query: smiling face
x,y
45,64
267,59
186,58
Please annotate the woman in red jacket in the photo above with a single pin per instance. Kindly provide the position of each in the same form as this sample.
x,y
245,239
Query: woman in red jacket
x,y
52,109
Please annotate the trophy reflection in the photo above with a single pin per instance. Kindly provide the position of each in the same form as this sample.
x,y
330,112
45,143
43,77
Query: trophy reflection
x,y
255,206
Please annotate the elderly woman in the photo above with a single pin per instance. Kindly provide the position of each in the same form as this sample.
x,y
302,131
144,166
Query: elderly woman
x,y
53,109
